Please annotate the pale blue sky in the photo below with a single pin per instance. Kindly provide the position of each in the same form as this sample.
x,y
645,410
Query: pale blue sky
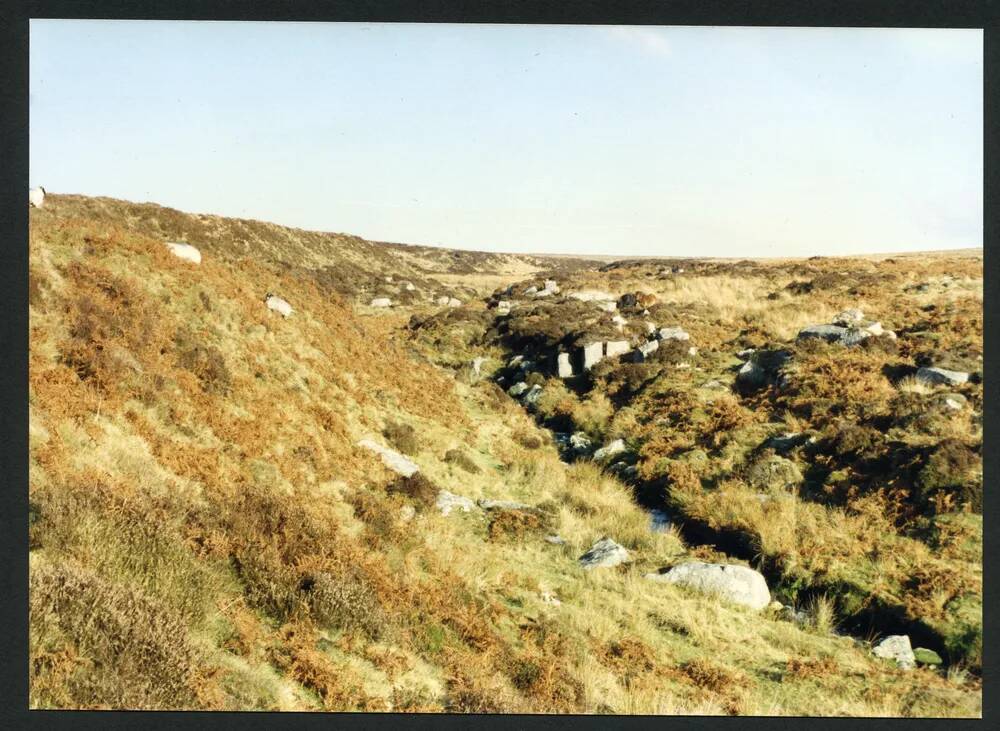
x,y
564,139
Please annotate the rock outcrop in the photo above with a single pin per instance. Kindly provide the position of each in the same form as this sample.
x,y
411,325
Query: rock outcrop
x,y
737,584
896,647
603,554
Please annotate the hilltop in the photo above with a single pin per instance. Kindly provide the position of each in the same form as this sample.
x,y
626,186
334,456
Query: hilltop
x,y
209,529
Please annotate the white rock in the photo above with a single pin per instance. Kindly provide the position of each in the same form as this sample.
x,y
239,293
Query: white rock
x,y
391,458
184,251
448,501
896,647
646,349
514,361
673,333
389,279
530,290
608,306
442,301
477,364
555,540
551,285
406,513
563,365
593,353
503,307
603,554
454,302
381,302
692,351
650,328
610,450
543,293
935,376
409,286
620,321
592,295
615,347
737,584
580,442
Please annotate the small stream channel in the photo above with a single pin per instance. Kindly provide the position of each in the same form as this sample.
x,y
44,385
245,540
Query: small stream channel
x,y
874,618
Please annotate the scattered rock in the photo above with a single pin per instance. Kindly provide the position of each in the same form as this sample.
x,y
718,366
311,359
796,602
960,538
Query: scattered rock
x,y
603,554
615,347
534,393
564,366
952,401
923,656
896,647
517,389
737,584
643,352
830,333
592,295
673,333
610,450
580,443
935,376
854,336
391,458
593,353
448,501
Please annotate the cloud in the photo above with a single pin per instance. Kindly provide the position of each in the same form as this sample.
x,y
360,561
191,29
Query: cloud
x,y
650,40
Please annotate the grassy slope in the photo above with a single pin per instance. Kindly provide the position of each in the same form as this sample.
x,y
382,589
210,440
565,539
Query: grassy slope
x,y
205,535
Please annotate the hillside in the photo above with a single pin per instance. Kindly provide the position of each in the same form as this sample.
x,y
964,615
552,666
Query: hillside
x,y
207,532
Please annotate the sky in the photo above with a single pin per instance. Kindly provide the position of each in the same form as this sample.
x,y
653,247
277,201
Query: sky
x,y
622,140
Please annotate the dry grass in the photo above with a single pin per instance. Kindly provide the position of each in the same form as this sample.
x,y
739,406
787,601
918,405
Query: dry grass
x,y
198,497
